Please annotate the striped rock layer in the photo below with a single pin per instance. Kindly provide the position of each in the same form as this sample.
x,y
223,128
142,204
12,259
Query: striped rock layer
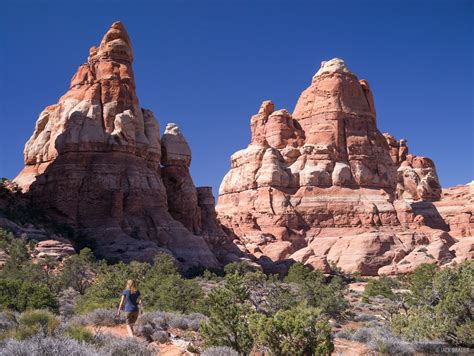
x,y
324,186
96,162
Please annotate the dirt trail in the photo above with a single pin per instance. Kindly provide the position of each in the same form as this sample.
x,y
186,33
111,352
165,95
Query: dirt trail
x,y
345,347
168,349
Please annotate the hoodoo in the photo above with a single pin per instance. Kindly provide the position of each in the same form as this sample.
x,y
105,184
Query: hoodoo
x,y
94,162
323,186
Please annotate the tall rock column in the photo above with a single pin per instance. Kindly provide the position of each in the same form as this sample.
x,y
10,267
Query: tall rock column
x,y
180,189
93,162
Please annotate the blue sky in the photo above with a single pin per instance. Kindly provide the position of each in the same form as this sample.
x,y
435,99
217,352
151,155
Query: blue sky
x,y
207,65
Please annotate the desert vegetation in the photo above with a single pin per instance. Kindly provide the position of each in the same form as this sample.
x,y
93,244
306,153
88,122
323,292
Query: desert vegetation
x,y
60,307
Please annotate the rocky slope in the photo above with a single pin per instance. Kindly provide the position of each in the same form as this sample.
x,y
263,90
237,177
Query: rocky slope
x,y
96,162
323,185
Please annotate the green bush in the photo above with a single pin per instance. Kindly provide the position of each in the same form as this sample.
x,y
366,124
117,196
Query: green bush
x,y
22,295
19,265
164,289
379,287
39,320
171,293
229,315
440,305
420,284
297,331
313,288
109,285
80,333
42,318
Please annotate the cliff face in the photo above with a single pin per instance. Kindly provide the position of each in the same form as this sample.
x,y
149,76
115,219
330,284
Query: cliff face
x,y
323,185
94,162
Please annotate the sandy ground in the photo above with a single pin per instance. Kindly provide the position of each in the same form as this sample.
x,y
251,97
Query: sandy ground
x,y
167,349
345,347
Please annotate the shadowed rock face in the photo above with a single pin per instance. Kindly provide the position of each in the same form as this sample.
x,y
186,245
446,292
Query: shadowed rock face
x,y
323,185
94,162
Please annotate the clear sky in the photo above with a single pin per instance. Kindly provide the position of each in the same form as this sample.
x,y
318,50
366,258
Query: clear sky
x,y
207,66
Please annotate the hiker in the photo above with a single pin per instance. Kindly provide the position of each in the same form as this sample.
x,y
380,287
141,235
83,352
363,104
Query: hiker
x,y
130,303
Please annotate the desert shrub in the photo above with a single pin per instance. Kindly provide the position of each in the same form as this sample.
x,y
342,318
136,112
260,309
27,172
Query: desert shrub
x,y
268,294
365,317
229,312
160,336
147,324
109,285
99,317
440,305
113,346
379,287
363,335
220,351
378,339
163,288
40,321
8,321
21,295
313,288
185,322
241,268
386,343
193,348
179,322
298,331
78,271
344,334
39,345
79,333
195,320
67,301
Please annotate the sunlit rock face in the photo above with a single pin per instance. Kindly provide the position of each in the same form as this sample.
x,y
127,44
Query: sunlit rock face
x,y
324,186
94,162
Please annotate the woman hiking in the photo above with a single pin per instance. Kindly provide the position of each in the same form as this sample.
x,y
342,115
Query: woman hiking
x,y
130,303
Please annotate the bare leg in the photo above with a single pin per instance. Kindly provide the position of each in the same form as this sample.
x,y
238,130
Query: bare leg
x,y
130,330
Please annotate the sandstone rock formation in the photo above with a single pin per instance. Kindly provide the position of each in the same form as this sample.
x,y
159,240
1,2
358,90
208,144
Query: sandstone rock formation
x,y
416,176
456,207
56,249
94,162
323,186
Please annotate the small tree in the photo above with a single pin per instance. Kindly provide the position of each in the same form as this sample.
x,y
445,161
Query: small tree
x,y
313,288
79,271
229,312
298,331
171,293
440,305
163,288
